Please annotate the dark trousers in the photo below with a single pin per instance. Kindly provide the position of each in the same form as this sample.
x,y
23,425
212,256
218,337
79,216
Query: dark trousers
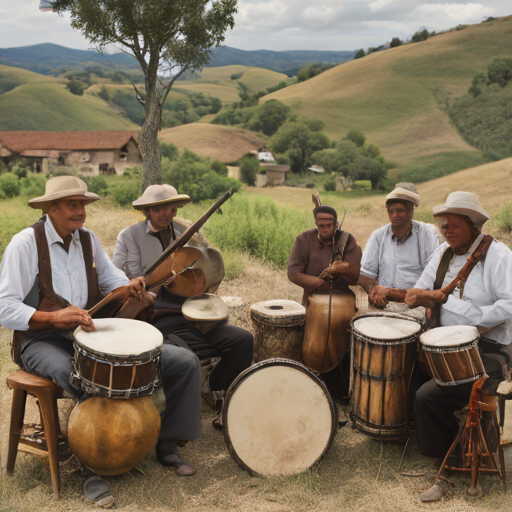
x,y
52,358
434,405
232,344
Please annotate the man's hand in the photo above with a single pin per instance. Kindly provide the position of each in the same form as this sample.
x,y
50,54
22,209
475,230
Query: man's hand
x,y
338,268
379,296
137,287
427,298
63,320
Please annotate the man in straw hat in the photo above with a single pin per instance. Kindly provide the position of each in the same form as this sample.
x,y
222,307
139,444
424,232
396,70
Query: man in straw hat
x,y
136,247
485,301
396,254
51,274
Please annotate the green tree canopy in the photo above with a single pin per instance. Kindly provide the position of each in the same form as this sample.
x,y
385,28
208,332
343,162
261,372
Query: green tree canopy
x,y
269,117
170,36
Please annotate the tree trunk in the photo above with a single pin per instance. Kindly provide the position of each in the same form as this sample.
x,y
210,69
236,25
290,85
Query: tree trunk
x,y
148,138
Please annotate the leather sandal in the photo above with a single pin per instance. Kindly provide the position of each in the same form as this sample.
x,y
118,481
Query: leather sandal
x,y
436,492
97,491
174,460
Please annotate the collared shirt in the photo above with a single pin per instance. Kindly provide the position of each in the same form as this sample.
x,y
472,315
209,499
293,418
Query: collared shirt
x,y
487,297
20,267
399,263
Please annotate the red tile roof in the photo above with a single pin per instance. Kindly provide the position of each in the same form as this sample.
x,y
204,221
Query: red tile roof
x,y
66,141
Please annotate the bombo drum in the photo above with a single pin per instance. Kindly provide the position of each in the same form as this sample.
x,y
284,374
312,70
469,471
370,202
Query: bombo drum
x,y
278,329
278,418
384,350
452,354
120,359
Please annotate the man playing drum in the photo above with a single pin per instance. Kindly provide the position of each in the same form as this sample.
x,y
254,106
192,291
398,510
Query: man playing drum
x,y
396,254
137,246
50,274
320,257
484,301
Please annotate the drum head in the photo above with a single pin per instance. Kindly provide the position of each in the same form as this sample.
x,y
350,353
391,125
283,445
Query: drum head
x,y
450,336
279,312
206,307
120,337
382,326
278,418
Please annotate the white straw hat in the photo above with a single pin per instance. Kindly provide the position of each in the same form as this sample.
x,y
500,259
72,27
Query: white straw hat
x,y
404,192
463,203
63,187
160,194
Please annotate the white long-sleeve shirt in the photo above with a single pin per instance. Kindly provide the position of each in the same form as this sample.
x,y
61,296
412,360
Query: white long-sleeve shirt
x,y
487,297
399,265
20,267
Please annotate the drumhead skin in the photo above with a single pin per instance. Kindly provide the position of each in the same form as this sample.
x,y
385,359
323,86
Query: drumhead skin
x,y
206,307
120,337
278,419
386,327
280,312
450,336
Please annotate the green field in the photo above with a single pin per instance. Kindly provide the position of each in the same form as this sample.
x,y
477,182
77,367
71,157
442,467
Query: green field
x,y
392,96
43,103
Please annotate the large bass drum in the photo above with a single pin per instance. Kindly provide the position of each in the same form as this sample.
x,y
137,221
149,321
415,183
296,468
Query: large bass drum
x,y
384,350
278,419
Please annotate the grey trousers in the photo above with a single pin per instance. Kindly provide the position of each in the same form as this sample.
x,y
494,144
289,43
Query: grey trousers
x,y
52,356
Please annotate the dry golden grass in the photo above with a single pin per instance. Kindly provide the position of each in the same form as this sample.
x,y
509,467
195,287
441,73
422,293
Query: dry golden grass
x,y
390,95
224,143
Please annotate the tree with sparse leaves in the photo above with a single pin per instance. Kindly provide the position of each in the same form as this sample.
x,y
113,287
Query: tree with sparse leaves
x,y
166,36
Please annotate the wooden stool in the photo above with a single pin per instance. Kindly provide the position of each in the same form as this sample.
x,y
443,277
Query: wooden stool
x,y
46,392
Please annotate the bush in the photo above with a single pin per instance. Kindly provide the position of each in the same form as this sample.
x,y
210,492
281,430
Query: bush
x,y
33,185
330,186
169,150
126,193
360,53
499,71
98,185
357,137
503,220
236,76
395,42
249,167
421,35
9,185
132,172
76,87
104,94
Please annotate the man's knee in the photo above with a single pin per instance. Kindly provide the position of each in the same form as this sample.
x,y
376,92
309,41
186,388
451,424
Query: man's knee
x,y
178,360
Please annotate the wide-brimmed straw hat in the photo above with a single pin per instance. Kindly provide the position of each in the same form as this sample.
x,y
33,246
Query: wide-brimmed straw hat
x,y
63,187
463,203
404,192
160,194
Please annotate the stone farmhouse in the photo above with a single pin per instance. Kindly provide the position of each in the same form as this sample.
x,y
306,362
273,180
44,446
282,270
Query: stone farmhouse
x,y
88,153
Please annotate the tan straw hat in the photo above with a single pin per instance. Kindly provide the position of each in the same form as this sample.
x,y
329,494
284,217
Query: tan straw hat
x,y
404,192
160,194
463,203
63,187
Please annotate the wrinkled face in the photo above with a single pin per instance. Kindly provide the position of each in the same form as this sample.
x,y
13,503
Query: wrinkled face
x,y
326,225
67,215
457,231
162,215
399,215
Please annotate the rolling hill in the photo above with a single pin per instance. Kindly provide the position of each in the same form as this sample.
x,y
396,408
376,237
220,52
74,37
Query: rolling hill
x,y
393,96
224,143
38,102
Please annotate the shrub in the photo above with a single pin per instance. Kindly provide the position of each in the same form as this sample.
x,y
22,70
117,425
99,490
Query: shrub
x,y
360,53
499,71
33,185
132,172
236,76
249,167
395,42
126,193
76,87
104,94
10,185
357,137
503,220
169,150
330,185
98,185
421,35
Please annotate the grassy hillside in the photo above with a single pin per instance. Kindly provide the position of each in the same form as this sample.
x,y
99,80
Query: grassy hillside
x,y
42,103
217,81
224,143
391,95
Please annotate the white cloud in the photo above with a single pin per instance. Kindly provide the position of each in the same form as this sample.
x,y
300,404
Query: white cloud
x,y
452,12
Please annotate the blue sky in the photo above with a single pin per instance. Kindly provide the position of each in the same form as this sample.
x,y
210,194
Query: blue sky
x,y
281,24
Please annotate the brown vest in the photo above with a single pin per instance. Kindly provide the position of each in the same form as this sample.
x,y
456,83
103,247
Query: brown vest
x,y
48,300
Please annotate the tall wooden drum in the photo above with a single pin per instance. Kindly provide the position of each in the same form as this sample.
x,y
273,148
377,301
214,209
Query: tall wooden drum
x,y
323,348
384,350
278,329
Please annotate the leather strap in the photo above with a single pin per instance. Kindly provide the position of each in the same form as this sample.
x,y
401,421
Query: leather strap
x,y
93,290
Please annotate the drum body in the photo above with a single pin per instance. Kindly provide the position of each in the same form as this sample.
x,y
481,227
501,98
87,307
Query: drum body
x,y
278,329
384,350
120,359
452,354
278,418
322,350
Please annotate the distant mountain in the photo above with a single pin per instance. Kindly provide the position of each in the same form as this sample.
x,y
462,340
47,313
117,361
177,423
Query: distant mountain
x,y
288,62
47,57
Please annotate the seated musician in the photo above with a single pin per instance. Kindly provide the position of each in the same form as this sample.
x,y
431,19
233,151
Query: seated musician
x,y
137,246
320,256
485,302
51,273
396,254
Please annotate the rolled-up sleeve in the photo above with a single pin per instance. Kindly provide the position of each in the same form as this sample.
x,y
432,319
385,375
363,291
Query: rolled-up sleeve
x,y
18,272
109,276
370,261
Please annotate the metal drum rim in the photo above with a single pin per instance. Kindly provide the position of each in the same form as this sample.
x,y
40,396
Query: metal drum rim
x,y
150,354
450,348
269,363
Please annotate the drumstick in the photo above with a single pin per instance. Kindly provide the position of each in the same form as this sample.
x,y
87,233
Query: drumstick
x,y
316,200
